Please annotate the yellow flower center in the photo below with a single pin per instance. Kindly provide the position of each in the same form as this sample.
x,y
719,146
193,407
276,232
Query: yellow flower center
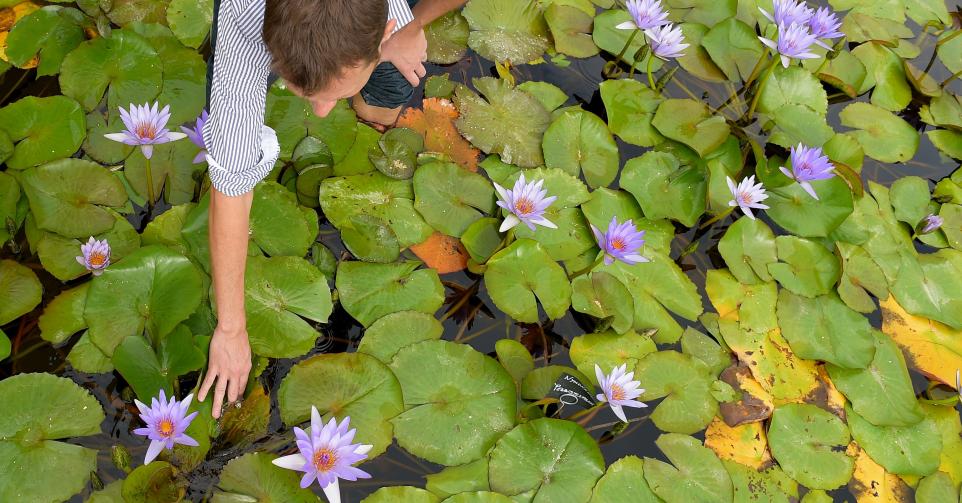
x,y
166,428
324,459
523,206
618,244
617,392
146,131
97,259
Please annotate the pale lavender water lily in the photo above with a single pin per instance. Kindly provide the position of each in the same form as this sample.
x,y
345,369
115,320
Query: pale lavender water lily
x,y
930,224
786,12
620,242
620,390
146,127
196,135
747,195
794,42
326,455
525,203
808,164
666,41
166,422
95,255
645,14
824,25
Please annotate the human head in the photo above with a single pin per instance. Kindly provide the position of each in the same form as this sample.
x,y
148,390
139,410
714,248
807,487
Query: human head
x,y
325,50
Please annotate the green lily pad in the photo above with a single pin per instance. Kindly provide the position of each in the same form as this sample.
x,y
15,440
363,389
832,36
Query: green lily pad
x,y
845,72
506,30
281,292
165,229
824,328
447,38
69,197
451,198
453,480
353,384
550,95
279,226
20,290
48,34
771,485
624,480
799,124
799,213
482,238
253,477
804,267
9,201
695,472
948,142
4,346
748,248
603,296
734,47
402,494
173,172
293,118
59,254
612,40
46,129
521,272
63,316
702,347
457,415
882,393
85,356
546,460
374,194
606,203
184,74
792,86
125,62
99,148
937,487
397,153
886,74
809,444
515,358
152,482
608,351
696,59
386,336
138,364
578,141
519,144
540,381
910,199
571,30
190,20
932,287
903,450
883,135
371,291
154,288
38,410
370,239
685,384
666,188
689,122
657,287
631,106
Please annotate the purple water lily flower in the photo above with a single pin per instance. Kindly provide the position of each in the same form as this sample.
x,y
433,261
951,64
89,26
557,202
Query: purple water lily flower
x,y
166,423
666,41
787,12
808,164
95,255
794,42
930,224
327,454
619,390
146,127
525,203
196,135
621,242
747,195
645,14
824,24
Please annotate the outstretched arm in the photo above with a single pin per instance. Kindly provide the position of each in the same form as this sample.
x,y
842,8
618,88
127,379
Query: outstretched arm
x,y
407,48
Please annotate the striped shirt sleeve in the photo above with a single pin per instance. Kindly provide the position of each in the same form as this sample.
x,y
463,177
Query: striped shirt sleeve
x,y
241,150
399,10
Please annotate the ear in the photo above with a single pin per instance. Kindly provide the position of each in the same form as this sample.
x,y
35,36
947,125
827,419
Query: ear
x,y
389,29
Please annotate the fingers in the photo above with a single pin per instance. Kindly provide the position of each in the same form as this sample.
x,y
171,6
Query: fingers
x,y
219,391
420,70
412,77
234,389
208,381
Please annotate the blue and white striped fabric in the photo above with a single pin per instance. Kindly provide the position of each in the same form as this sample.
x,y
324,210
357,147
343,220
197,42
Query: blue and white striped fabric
x,y
241,149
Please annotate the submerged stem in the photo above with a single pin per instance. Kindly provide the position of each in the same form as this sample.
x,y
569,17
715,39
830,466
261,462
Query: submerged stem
x,y
651,81
761,88
150,185
624,49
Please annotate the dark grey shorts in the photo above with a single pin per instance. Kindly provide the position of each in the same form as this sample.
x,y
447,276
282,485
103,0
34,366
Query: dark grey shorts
x,y
386,88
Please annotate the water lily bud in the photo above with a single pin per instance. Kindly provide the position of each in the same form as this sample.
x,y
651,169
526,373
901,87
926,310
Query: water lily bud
x,y
929,224
121,458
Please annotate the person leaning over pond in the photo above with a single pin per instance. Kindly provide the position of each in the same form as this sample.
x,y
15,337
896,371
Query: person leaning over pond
x,y
371,51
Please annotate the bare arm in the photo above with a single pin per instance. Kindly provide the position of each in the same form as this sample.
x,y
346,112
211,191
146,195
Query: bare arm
x,y
426,11
230,358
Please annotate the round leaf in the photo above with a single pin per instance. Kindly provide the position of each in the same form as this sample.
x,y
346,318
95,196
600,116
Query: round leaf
x,y
386,336
371,291
506,30
578,141
125,62
451,198
254,476
809,444
20,291
697,474
685,384
521,272
46,128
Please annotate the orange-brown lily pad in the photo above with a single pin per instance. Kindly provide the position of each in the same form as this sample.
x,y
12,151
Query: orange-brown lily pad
x,y
442,253
435,121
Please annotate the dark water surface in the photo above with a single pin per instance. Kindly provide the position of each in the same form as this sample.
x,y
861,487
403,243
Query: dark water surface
x,y
477,322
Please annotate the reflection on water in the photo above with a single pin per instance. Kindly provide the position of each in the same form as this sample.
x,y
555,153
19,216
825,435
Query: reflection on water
x,y
549,344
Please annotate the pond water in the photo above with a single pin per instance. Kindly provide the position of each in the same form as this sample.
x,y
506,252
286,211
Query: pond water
x,y
469,314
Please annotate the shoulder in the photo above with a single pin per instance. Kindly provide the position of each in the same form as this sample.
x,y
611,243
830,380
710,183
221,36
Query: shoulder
x,y
247,16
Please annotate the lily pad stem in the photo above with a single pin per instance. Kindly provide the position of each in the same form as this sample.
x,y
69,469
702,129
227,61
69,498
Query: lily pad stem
x,y
596,263
651,81
951,77
609,71
150,184
761,88
586,415
717,217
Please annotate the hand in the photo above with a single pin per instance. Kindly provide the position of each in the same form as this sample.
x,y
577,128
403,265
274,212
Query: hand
x,y
407,50
228,365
